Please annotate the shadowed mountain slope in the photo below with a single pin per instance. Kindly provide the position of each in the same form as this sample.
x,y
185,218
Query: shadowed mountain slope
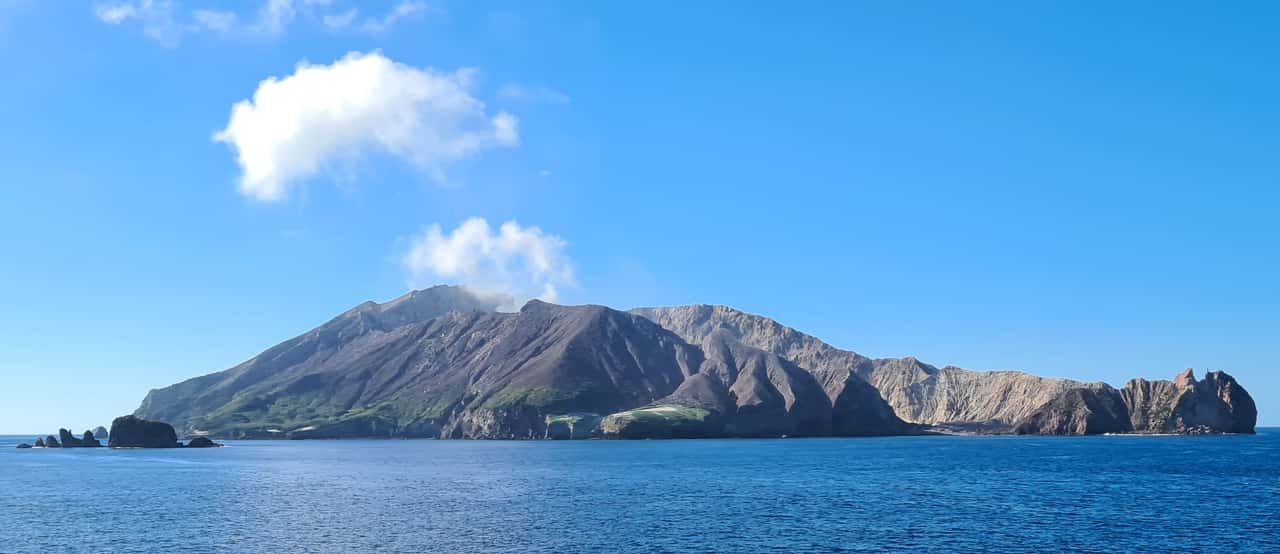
x,y
916,392
441,363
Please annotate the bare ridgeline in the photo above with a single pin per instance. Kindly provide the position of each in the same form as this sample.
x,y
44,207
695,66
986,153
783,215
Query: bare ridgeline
x,y
444,363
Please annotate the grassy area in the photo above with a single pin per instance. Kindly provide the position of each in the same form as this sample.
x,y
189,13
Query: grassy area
x,y
655,417
582,397
535,396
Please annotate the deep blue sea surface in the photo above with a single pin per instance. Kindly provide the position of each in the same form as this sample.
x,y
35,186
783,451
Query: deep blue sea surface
x,y
911,494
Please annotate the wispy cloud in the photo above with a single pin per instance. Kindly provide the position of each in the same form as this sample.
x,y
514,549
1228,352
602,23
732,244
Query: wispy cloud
x,y
217,21
341,20
117,14
168,22
350,19
521,262
526,93
158,19
321,116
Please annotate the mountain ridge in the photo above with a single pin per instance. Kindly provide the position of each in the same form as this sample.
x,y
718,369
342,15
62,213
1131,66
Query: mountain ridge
x,y
918,392
443,362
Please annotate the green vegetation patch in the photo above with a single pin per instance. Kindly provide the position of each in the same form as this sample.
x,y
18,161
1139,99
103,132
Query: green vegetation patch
x,y
533,396
664,414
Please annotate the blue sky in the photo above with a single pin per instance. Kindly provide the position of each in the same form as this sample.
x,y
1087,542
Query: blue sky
x,y
1082,189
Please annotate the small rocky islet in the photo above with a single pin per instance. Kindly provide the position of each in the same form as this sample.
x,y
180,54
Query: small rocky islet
x,y
126,432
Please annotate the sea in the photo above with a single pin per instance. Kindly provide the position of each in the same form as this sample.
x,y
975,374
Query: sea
x,y
903,494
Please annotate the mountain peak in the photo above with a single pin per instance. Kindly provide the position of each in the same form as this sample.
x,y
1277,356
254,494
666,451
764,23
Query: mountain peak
x,y
429,303
1185,379
535,304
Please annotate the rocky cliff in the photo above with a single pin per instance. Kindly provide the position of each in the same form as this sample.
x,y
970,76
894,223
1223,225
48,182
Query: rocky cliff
x,y
1185,405
916,392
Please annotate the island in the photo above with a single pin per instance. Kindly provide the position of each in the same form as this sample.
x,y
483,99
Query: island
x,y
446,363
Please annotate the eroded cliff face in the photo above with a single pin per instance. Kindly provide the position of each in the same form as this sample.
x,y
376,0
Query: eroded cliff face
x,y
1215,404
915,391
953,396
1185,405
1079,411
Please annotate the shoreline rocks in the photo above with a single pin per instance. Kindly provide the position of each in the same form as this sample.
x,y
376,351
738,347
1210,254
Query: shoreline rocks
x,y
70,441
202,442
126,432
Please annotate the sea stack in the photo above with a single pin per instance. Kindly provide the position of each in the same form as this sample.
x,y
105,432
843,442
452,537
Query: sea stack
x,y
67,439
70,441
135,432
90,439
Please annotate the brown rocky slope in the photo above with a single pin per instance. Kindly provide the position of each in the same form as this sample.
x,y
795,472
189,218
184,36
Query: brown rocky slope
x,y
1215,404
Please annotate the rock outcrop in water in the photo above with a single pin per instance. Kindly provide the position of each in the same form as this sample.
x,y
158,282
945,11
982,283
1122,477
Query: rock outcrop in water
x,y
69,440
23,446
135,432
39,443
100,433
202,442
443,363
1216,404
51,442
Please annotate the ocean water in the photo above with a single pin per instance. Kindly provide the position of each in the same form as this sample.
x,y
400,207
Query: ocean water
x,y
910,494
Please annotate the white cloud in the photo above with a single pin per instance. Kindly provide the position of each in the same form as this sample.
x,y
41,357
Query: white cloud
x,y
300,125
521,262
523,93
